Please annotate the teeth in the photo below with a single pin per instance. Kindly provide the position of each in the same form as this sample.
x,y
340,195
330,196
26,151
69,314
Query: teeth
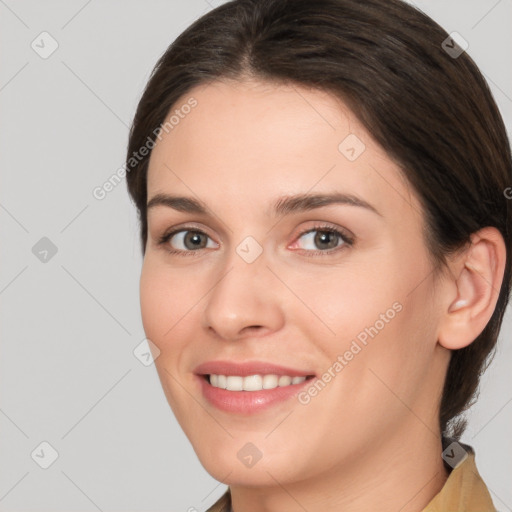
x,y
234,383
285,380
270,381
221,381
253,382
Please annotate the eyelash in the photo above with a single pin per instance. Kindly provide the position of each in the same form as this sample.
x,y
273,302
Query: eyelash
x,y
348,241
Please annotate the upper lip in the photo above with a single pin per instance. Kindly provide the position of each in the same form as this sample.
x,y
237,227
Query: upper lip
x,y
246,368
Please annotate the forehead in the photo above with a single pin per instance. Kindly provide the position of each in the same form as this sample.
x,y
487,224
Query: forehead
x,y
250,142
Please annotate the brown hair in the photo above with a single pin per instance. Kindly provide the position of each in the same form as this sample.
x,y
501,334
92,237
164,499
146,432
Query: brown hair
x,y
430,110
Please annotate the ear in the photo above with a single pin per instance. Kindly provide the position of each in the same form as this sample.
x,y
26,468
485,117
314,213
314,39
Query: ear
x,y
472,294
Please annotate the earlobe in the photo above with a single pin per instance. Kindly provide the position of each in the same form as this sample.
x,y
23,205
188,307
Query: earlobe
x,y
477,276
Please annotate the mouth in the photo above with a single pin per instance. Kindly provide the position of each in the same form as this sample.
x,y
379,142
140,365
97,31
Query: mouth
x,y
249,387
253,382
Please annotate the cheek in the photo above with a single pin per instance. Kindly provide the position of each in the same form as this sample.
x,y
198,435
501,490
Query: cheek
x,y
166,305
378,317
164,301
338,304
153,303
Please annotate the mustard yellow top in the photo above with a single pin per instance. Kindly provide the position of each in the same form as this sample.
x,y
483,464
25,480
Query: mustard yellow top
x,y
463,491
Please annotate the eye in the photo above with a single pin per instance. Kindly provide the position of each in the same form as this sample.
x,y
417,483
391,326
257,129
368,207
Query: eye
x,y
187,240
322,239
319,240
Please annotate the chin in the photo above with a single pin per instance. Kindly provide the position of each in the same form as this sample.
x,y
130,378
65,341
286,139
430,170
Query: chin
x,y
240,462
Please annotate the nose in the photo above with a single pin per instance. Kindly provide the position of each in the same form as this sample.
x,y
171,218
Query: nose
x,y
244,301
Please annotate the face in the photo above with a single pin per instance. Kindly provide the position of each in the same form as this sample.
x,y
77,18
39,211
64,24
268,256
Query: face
x,y
286,258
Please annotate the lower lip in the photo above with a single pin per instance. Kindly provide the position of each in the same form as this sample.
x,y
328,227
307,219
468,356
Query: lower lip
x,y
248,402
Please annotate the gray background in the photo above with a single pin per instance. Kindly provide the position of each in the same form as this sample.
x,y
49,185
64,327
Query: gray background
x,y
69,325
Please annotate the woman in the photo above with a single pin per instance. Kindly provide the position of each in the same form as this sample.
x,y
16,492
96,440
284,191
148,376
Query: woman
x,y
326,240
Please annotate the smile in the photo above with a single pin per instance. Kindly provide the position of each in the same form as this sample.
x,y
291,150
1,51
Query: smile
x,y
252,382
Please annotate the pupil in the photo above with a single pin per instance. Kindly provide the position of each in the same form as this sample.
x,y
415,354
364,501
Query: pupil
x,y
194,239
325,237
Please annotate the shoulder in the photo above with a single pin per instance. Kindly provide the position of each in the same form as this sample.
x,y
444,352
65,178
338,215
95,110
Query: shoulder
x,y
223,504
464,490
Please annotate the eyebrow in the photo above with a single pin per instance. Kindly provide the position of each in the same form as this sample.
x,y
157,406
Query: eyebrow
x,y
283,206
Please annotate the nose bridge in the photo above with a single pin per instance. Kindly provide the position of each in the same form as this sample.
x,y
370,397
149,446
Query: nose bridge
x,y
242,296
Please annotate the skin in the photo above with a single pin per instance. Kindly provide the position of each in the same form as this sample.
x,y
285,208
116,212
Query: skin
x,y
370,439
